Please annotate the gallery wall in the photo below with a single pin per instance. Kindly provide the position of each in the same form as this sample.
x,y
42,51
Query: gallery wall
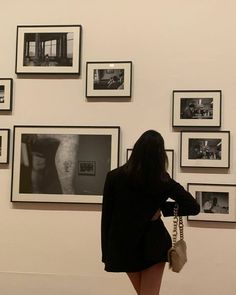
x,y
185,45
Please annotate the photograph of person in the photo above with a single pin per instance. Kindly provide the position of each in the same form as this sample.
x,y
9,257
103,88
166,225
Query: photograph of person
x,y
209,149
196,108
213,202
2,93
50,163
108,79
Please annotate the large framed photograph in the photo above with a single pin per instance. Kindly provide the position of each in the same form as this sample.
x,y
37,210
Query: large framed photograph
x,y
62,164
48,49
109,79
4,146
205,149
6,86
217,201
170,156
196,108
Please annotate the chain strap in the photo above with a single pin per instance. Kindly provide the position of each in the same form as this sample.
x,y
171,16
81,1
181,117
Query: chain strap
x,y
177,221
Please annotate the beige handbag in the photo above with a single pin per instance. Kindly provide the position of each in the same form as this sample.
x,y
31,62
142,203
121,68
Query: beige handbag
x,y
177,255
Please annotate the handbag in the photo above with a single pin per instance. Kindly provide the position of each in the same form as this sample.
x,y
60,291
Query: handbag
x,y
177,255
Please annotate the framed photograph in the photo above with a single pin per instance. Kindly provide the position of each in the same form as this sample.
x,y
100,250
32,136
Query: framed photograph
x,y
109,79
62,164
205,149
196,108
4,146
87,168
217,201
48,49
170,156
6,86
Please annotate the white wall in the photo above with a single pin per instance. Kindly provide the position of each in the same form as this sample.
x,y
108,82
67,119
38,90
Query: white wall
x,y
183,44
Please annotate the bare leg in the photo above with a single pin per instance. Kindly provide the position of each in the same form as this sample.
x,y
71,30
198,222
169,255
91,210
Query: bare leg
x,y
66,161
135,278
151,279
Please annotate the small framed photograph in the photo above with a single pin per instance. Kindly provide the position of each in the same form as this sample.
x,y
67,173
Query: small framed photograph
x,y
170,156
58,164
4,146
87,168
217,201
196,108
48,49
109,79
205,149
6,86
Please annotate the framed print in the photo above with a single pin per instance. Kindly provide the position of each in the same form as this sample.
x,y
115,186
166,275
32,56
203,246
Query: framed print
x,y
205,149
217,201
87,168
109,79
170,156
48,49
6,86
4,145
196,108
62,164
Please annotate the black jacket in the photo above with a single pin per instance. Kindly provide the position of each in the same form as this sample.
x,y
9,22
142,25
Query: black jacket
x,y
126,220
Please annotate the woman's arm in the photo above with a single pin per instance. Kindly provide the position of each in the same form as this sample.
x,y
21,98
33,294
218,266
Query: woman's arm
x,y
187,203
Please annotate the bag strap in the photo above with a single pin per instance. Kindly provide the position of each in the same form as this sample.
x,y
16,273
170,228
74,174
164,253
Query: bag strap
x,y
177,222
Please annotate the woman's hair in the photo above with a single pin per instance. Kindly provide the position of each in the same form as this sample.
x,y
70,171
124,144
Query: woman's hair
x,y
148,161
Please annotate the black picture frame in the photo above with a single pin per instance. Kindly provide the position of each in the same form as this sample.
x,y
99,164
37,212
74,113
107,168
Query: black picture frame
x,y
46,160
4,145
170,156
48,49
108,79
205,149
217,202
196,108
6,93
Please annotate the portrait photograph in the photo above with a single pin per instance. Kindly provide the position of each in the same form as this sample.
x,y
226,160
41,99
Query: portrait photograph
x,y
48,49
6,88
217,201
194,108
108,79
205,149
63,164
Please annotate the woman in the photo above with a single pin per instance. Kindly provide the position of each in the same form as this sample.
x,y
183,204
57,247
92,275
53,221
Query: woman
x,y
134,238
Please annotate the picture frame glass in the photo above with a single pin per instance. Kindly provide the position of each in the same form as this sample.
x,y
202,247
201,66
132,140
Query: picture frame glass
x,y
48,49
4,146
63,164
196,108
217,202
205,149
108,79
5,94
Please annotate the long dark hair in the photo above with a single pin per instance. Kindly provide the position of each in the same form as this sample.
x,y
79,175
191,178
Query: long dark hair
x,y
148,161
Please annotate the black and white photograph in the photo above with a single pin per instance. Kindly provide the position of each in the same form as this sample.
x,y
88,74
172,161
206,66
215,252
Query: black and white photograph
x,y
205,149
48,49
108,79
53,165
6,86
194,108
170,156
4,145
217,201
87,168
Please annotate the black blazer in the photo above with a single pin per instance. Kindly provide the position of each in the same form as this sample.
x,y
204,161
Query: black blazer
x,y
126,215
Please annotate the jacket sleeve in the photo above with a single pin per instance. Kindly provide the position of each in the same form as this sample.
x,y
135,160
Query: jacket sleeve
x,y
106,215
187,203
